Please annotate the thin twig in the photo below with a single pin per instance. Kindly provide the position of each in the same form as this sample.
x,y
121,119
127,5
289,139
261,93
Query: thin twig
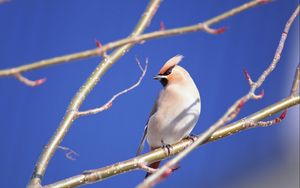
x,y
108,104
228,116
31,83
80,96
142,165
209,30
132,40
160,153
70,154
294,91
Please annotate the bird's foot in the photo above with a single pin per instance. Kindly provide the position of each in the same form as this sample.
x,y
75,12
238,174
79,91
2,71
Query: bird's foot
x,y
192,137
168,147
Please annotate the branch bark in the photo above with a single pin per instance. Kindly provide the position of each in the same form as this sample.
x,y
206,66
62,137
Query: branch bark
x,y
133,39
100,174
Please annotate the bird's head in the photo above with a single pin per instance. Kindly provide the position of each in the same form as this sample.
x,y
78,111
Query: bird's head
x,y
172,73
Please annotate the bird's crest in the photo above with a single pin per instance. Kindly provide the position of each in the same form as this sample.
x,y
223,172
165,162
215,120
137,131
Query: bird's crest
x,y
171,63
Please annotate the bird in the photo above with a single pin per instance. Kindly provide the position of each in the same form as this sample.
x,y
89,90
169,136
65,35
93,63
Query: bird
x,y
175,111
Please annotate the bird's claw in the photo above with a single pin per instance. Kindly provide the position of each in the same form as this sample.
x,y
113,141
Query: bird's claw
x,y
192,137
168,147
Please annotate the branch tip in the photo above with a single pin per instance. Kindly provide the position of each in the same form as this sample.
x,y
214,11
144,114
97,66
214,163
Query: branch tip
x,y
28,82
281,117
209,30
220,30
262,2
40,81
248,77
259,96
162,26
98,43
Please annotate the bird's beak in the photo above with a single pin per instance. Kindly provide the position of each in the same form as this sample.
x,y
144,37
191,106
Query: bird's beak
x,y
159,77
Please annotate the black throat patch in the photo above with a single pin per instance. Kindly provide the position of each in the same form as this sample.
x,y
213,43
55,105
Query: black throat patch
x,y
164,81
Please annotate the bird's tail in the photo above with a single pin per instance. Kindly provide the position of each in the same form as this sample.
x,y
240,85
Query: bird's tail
x,y
154,165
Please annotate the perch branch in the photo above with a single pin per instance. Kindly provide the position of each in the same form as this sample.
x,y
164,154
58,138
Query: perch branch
x,y
110,102
80,96
133,39
230,114
159,154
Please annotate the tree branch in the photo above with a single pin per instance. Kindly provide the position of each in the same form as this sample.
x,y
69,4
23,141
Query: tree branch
x,y
108,104
230,114
133,39
80,96
159,154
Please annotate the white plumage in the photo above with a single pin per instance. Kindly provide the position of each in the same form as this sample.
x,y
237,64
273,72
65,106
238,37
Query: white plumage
x,y
177,108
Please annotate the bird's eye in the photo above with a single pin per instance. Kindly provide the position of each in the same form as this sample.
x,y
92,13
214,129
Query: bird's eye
x,y
169,71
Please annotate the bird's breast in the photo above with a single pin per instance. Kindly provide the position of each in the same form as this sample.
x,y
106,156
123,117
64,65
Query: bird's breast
x,y
176,116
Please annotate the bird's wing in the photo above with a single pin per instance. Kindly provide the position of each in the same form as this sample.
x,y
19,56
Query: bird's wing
x,y
142,143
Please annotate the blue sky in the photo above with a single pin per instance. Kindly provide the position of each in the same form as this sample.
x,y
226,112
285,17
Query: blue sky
x,y
32,30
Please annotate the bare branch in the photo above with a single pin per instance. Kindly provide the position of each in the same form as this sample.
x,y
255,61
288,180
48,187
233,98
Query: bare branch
x,y
83,92
229,115
133,39
159,154
110,102
31,83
